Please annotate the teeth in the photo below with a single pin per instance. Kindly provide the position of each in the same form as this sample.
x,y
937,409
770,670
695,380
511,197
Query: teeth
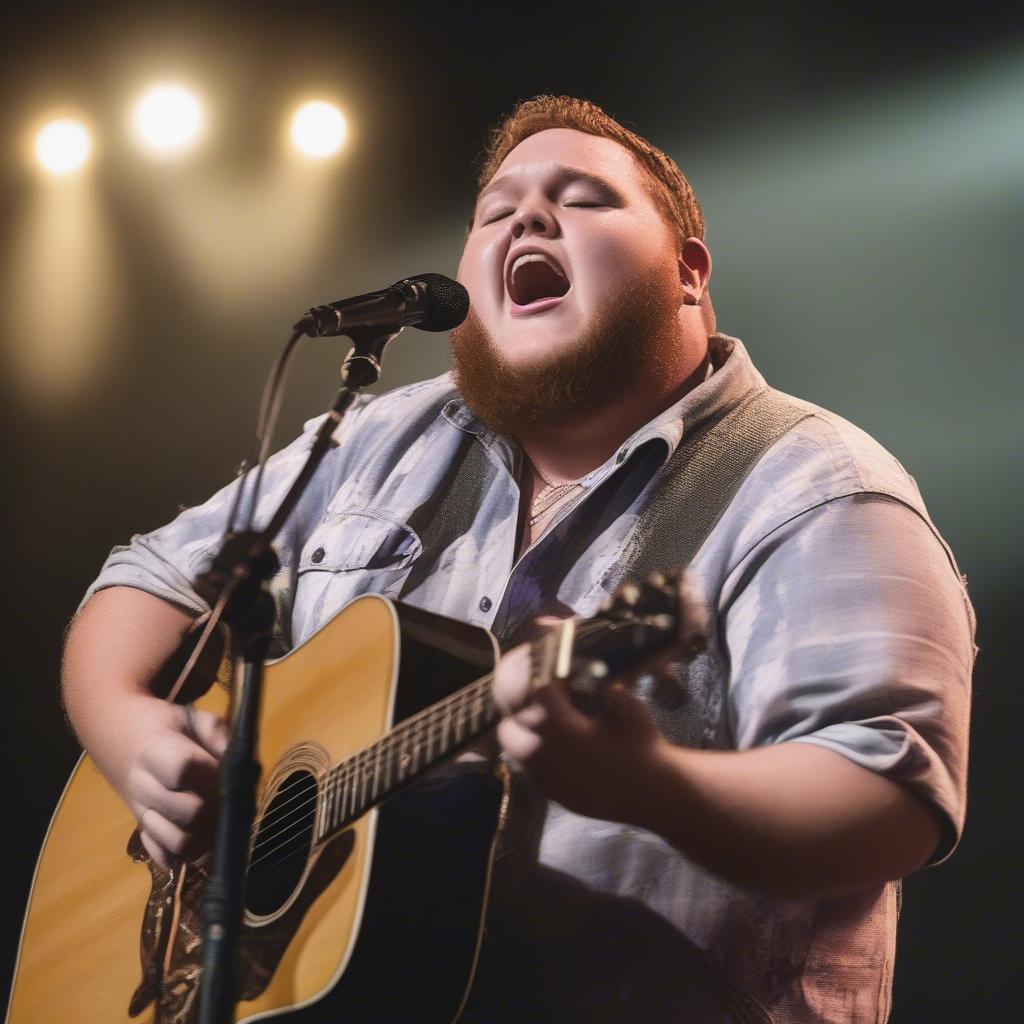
x,y
536,257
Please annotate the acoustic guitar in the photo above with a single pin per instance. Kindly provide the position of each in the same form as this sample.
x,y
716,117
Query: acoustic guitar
x,y
372,848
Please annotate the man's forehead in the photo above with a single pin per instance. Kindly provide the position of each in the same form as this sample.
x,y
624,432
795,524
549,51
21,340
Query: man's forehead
x,y
564,153
550,170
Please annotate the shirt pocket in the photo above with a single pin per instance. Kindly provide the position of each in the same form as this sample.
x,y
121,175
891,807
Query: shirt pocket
x,y
355,552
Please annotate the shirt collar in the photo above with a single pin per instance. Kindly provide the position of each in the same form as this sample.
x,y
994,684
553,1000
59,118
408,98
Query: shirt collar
x,y
734,377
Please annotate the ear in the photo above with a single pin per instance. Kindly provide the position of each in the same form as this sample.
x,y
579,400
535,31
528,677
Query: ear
x,y
694,270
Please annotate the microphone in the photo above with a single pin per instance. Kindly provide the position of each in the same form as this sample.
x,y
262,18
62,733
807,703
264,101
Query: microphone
x,y
431,302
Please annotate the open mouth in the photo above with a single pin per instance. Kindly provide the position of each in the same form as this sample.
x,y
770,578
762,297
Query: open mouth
x,y
535,281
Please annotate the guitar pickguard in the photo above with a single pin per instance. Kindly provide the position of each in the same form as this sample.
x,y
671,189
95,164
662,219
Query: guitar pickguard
x,y
171,937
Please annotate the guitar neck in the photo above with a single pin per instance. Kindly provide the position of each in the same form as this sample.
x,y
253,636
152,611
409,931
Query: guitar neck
x,y
416,744
646,622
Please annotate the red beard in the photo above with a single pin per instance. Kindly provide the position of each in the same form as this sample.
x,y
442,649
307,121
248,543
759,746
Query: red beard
x,y
630,339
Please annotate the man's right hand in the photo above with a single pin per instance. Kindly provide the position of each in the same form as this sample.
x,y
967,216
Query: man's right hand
x,y
161,758
166,766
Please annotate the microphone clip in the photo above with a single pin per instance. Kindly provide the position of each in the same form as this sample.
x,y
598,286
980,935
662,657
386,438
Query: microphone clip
x,y
362,365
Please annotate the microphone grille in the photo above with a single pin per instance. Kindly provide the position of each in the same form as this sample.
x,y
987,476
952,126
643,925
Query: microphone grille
x,y
447,302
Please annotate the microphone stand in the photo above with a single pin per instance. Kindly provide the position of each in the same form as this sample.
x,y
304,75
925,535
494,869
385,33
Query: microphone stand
x,y
240,572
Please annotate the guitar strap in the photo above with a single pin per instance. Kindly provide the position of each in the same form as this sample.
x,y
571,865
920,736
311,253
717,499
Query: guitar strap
x,y
698,483
701,479
450,515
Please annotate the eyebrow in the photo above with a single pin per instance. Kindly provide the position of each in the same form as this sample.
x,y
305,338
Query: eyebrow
x,y
563,173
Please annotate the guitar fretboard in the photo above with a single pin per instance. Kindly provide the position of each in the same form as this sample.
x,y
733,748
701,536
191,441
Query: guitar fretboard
x,y
355,785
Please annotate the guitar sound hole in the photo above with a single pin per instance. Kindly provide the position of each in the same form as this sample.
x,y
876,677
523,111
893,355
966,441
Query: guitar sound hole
x,y
282,845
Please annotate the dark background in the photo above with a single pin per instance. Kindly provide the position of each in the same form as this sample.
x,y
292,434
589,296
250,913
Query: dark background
x,y
861,170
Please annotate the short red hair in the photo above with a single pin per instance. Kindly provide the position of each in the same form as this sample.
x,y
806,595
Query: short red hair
x,y
667,184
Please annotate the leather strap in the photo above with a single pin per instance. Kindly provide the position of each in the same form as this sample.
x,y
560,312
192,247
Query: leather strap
x,y
702,478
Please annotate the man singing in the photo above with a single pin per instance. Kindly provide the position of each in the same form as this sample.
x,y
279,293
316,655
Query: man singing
x,y
722,847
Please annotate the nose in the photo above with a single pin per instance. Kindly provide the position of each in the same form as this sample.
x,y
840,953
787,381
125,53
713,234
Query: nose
x,y
533,217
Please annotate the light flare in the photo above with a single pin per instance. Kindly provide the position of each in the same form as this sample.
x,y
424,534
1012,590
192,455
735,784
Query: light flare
x,y
63,146
318,130
168,119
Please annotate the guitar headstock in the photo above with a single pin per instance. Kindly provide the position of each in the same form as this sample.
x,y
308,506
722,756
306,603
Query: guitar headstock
x,y
646,627
663,609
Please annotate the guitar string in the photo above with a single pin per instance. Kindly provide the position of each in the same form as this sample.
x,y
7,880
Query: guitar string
x,y
345,793
350,768
364,770
341,772
270,859
409,733
404,731
262,859
348,771
281,838
415,731
462,703
442,707
357,765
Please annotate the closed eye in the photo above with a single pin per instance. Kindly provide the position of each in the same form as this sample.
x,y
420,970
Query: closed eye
x,y
582,203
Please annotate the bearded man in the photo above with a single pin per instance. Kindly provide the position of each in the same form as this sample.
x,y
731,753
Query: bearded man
x,y
738,860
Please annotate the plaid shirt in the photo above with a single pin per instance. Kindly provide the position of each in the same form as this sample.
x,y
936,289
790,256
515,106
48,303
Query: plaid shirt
x,y
841,620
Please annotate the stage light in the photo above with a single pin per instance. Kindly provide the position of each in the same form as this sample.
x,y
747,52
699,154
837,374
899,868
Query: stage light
x,y
318,129
168,119
63,146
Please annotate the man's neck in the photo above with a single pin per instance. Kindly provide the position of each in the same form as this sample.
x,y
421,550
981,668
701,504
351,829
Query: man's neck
x,y
573,449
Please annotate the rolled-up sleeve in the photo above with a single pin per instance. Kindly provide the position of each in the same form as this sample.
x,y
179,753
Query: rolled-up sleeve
x,y
848,627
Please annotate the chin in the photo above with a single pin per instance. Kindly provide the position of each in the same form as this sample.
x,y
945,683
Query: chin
x,y
522,340
534,348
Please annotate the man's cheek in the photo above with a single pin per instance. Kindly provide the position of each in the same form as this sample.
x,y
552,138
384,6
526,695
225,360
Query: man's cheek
x,y
465,276
480,282
606,265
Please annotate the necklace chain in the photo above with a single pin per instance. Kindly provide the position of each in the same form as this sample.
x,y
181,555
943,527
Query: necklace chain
x,y
548,496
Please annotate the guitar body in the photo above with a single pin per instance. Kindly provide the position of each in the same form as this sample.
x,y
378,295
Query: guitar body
x,y
380,921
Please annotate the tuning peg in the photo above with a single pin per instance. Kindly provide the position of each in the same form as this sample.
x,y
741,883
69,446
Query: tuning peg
x,y
628,594
663,622
587,675
585,686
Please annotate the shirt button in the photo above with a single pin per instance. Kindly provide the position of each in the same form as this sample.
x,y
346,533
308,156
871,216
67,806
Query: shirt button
x,y
318,555
621,457
485,604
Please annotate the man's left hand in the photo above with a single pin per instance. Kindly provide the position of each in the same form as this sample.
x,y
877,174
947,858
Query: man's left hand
x,y
596,766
